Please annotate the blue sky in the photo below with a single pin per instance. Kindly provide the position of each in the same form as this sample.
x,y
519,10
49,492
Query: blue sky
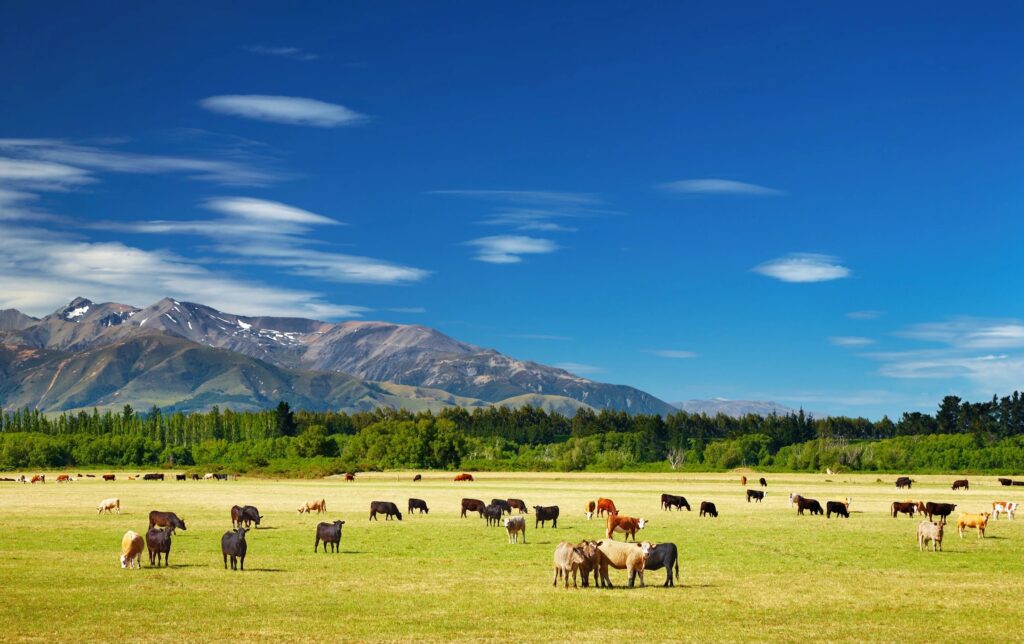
x,y
815,205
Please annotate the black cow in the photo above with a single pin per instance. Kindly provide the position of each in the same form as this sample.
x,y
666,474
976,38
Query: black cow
x,y
662,555
757,495
542,514
941,510
708,508
473,505
418,504
246,514
158,541
1006,482
763,482
904,507
180,477
232,544
329,533
418,477
961,484
220,477
1018,482
153,477
806,504
669,501
503,504
838,508
166,520
903,482
196,477
387,508
518,504
493,514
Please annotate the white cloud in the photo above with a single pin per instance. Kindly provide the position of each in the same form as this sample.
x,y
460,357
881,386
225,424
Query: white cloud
x,y
41,175
292,110
864,315
268,211
850,341
971,333
804,267
63,164
507,249
578,368
284,52
719,187
672,353
43,269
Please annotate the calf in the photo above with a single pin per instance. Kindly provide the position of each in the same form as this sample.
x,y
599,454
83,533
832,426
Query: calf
x,y
664,555
623,556
836,507
109,505
1007,507
941,510
543,514
669,501
166,520
757,495
518,504
606,506
330,534
492,513
109,477
514,526
387,508
979,521
473,505
309,506
708,508
903,482
131,550
418,504
503,504
627,525
961,484
904,507
463,477
233,545
928,531
158,541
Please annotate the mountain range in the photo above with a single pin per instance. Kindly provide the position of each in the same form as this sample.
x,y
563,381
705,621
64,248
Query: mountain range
x,y
187,356
734,408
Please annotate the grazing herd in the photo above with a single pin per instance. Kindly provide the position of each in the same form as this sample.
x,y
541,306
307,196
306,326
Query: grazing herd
x,y
581,561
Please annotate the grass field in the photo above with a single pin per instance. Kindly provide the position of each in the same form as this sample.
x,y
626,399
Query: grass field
x,y
757,573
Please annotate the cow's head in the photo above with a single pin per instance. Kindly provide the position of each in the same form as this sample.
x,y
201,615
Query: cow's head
x,y
645,547
302,509
124,561
338,524
641,523
590,515
241,533
180,523
399,515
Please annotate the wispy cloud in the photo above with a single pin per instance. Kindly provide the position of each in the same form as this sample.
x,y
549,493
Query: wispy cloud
x,y
294,53
850,341
579,368
292,110
804,267
44,269
970,333
675,354
54,164
269,233
864,315
719,187
509,249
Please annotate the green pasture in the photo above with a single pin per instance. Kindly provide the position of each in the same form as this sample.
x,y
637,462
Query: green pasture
x,y
757,573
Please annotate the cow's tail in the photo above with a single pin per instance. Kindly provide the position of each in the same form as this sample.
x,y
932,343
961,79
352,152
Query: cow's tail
x,y
677,567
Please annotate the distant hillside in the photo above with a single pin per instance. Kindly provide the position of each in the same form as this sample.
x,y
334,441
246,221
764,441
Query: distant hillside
x,y
734,408
417,357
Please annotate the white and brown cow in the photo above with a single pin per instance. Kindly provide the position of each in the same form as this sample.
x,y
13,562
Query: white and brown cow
x,y
131,550
627,525
1001,507
109,505
311,506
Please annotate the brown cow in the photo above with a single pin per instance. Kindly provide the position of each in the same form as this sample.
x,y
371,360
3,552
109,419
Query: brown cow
x,y
628,525
350,476
606,506
63,478
743,480
589,509
904,507
109,477
310,506
472,505
979,521
620,556
961,484
418,477
463,477
570,559
518,504
39,478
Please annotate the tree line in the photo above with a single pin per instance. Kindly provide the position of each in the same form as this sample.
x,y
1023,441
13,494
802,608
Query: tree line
x,y
520,438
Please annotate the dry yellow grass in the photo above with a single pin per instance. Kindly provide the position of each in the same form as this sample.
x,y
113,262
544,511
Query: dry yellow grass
x,y
758,573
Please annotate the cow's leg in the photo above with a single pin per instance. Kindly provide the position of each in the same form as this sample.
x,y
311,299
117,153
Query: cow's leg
x,y
316,544
225,561
554,581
